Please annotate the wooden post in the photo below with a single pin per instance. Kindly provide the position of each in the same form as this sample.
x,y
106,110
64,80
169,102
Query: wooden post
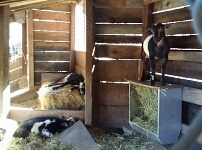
x,y
72,42
89,60
147,20
30,50
4,61
24,49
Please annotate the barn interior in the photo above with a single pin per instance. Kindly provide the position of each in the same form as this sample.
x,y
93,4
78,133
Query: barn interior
x,y
100,40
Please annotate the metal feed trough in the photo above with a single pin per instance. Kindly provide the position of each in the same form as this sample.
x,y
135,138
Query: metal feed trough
x,y
156,111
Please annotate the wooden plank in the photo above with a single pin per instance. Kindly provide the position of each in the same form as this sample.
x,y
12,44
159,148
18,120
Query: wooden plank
x,y
51,56
53,36
14,86
15,63
80,71
47,15
30,49
180,28
51,46
89,61
192,95
31,4
15,74
22,115
51,26
51,66
72,44
147,20
118,39
150,1
80,59
4,63
172,16
56,6
24,49
183,73
118,3
118,95
109,3
107,70
186,56
134,4
118,29
168,4
111,116
118,15
118,51
184,42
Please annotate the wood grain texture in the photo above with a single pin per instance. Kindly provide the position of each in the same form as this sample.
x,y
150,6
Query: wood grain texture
x,y
118,15
51,46
118,29
51,26
118,71
52,56
118,51
53,36
54,16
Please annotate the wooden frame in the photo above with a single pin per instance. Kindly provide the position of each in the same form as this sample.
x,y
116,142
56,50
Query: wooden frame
x,y
89,61
30,50
4,63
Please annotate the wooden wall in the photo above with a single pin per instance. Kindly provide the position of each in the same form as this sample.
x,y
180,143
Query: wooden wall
x,y
185,58
51,38
15,73
118,33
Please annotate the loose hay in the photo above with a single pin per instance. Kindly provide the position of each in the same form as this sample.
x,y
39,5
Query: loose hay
x,y
61,98
34,142
144,103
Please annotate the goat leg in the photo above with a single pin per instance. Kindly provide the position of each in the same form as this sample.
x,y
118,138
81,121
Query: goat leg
x,y
163,68
63,84
152,70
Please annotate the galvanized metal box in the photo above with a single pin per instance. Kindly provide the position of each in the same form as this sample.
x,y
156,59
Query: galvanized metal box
x,y
156,111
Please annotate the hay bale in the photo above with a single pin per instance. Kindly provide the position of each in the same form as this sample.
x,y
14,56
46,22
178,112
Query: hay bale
x,y
144,103
61,98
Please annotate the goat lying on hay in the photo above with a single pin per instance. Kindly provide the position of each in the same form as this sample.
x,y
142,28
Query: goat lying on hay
x,y
156,46
62,98
45,127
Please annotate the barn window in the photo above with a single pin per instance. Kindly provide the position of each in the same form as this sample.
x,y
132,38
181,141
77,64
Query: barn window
x,y
15,40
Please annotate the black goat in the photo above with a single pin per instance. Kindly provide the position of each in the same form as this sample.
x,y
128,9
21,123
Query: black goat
x,y
156,46
45,127
73,79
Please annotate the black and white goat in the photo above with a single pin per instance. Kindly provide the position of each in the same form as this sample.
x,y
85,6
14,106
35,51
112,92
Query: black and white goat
x,y
73,79
45,127
156,46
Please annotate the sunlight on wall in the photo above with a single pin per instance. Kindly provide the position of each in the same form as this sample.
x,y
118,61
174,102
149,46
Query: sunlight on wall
x,y
15,40
80,28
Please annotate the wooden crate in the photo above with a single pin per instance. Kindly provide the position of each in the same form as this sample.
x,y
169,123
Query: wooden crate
x,y
156,111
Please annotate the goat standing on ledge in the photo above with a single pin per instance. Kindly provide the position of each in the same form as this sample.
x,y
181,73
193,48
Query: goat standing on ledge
x,y
156,46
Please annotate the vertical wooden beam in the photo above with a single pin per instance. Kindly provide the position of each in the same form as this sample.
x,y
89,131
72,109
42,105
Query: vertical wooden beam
x,y
72,42
147,20
4,61
89,60
30,50
24,49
